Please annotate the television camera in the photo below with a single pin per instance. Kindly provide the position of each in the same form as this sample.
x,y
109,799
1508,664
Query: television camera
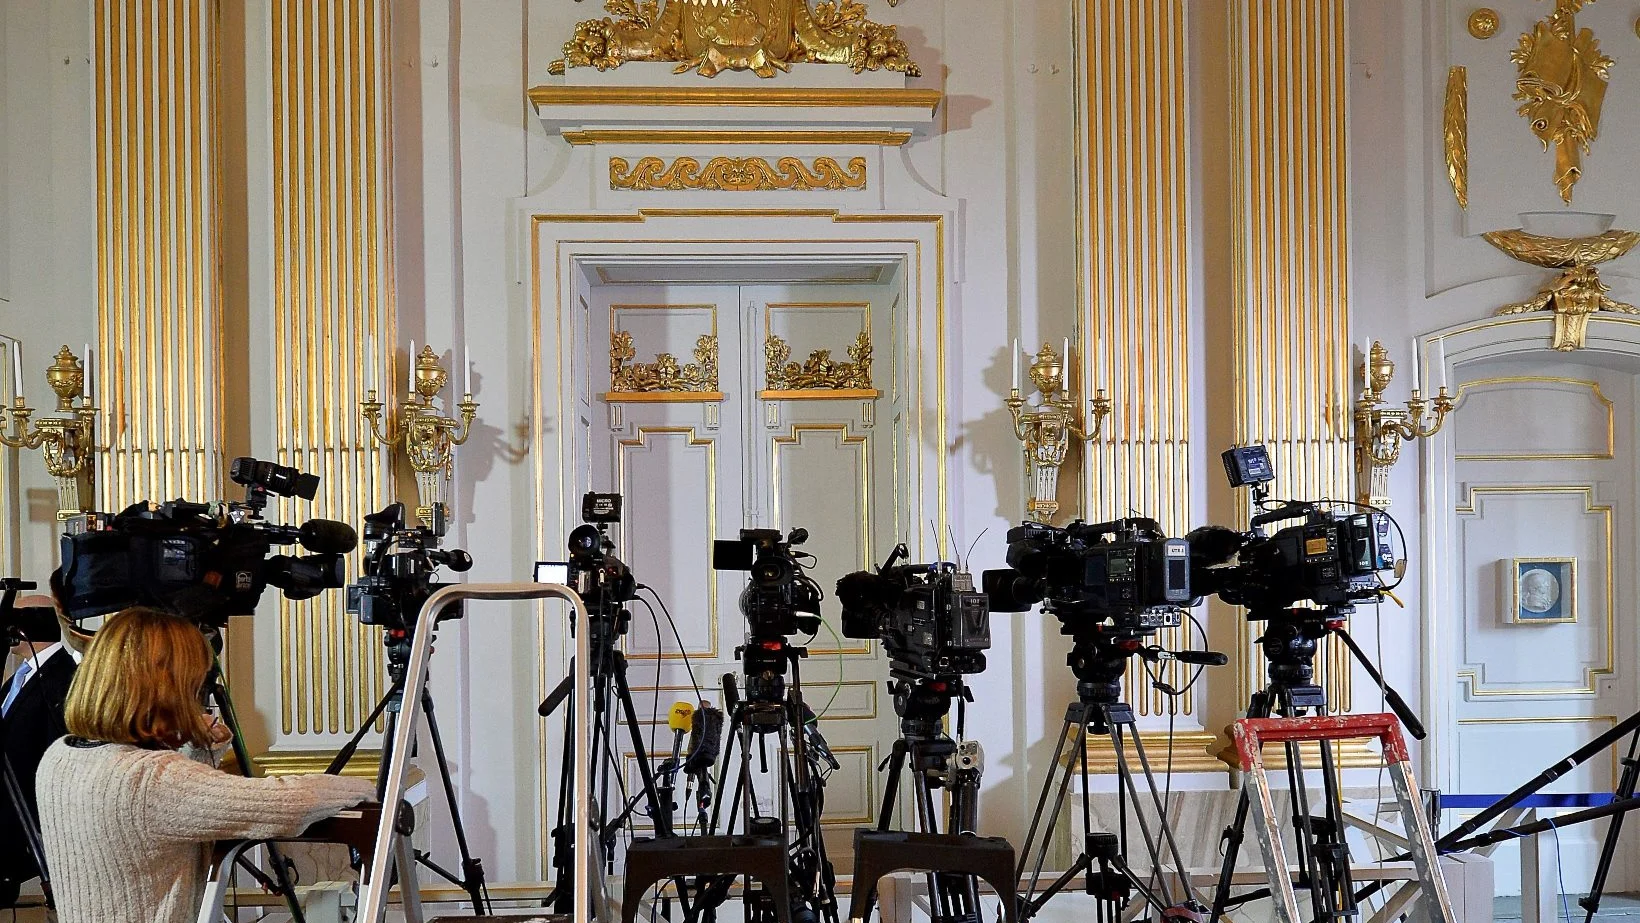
x,y
779,600
929,617
202,561
399,564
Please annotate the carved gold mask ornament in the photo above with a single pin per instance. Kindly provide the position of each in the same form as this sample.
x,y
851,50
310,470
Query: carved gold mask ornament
x,y
1577,292
1561,87
712,36
1046,430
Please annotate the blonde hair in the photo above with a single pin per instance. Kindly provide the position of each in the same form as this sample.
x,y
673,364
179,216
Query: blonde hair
x,y
140,682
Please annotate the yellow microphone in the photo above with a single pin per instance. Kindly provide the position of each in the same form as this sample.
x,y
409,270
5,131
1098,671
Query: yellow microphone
x,y
680,717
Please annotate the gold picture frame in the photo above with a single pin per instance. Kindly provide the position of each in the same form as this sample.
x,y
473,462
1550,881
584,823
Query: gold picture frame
x,y
1543,591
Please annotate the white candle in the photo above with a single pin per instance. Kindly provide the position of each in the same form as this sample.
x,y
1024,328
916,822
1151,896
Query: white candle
x,y
16,367
1366,362
90,379
1098,362
466,370
1065,357
412,366
1440,360
1415,364
1016,363
370,361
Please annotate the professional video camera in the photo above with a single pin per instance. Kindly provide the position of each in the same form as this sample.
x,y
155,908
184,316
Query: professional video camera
x,y
928,616
203,561
399,562
602,580
1124,575
1332,558
25,623
779,600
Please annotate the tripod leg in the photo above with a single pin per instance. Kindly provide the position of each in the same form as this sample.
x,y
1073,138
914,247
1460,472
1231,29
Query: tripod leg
x,y
563,860
1041,805
1164,837
1257,707
281,866
891,786
1608,847
1066,772
1339,885
659,814
472,870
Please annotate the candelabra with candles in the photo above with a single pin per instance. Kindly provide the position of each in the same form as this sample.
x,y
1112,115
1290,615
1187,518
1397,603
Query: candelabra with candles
x,y
1046,429
1380,431
428,438
68,440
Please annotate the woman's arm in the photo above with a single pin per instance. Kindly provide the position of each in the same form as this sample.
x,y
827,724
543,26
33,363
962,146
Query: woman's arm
x,y
189,801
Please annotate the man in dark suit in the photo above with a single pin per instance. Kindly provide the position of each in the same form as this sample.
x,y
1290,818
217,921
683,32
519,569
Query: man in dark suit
x,y
31,719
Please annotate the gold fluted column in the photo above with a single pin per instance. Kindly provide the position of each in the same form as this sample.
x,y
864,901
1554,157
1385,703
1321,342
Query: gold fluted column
x,y
158,304
1136,280
1288,270
331,295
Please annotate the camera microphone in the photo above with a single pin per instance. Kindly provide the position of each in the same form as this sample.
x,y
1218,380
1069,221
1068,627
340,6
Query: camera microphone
x,y
453,558
327,536
1201,658
705,738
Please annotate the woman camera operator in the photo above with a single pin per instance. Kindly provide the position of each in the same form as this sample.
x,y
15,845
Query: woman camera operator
x,y
127,819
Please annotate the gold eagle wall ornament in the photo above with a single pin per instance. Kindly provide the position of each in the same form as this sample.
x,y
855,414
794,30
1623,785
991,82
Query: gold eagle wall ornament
x,y
712,36
1561,87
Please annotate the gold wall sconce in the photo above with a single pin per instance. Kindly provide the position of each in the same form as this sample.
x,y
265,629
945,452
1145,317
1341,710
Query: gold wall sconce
x,y
1046,429
428,438
67,440
1380,431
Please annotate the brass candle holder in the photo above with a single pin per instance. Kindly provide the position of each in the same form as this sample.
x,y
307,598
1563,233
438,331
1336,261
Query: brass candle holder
x,y
428,438
1381,431
1046,429
67,441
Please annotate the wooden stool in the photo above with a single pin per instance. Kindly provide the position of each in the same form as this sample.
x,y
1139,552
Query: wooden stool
x,y
878,853
651,861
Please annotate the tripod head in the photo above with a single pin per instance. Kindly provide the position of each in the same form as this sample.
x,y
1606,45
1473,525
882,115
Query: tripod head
x,y
923,703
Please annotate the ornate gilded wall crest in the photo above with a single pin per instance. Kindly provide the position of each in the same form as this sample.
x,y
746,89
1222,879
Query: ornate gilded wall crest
x,y
712,36
737,174
1561,86
1577,292
665,373
820,372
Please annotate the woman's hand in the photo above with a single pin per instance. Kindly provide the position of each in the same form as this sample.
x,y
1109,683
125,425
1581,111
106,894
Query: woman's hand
x,y
220,733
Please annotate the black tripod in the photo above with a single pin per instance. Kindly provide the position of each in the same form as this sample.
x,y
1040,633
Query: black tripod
x,y
774,708
607,622
471,878
1099,662
1289,643
29,823
936,762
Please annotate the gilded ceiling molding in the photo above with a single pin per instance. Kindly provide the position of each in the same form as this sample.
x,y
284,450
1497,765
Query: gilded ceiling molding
x,y
1577,292
158,298
332,266
737,174
712,36
1455,133
1561,87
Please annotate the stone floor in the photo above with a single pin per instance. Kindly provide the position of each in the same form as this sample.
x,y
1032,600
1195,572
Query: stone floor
x,y
1624,907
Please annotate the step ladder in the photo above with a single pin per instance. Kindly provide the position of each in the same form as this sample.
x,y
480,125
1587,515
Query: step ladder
x,y
1251,734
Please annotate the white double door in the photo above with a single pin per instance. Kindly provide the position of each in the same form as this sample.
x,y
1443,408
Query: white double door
x,y
693,471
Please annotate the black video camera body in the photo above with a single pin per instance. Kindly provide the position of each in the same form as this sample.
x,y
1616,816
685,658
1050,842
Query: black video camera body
x,y
399,564
602,580
203,561
929,617
1330,559
779,599
1125,572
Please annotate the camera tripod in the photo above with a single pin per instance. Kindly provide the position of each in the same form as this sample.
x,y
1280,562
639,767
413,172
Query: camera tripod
x,y
608,668
471,877
1099,662
773,707
1289,643
936,762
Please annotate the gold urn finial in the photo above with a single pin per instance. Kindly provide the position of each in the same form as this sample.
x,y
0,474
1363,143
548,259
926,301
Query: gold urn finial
x,y
66,377
430,376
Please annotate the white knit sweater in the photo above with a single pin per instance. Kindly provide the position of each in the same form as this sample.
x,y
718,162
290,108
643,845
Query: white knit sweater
x,y
128,831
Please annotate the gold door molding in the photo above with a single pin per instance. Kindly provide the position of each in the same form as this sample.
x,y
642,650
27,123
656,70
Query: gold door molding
x,y
331,271
649,437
